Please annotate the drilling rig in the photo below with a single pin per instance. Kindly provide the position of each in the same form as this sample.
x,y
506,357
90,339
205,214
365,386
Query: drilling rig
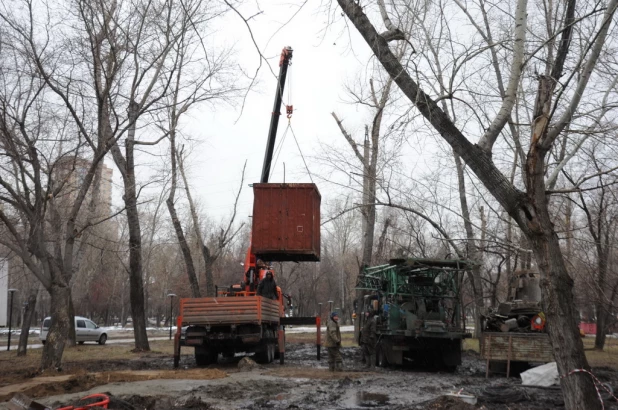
x,y
417,303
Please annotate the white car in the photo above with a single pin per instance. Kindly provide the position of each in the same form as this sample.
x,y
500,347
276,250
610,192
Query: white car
x,y
85,331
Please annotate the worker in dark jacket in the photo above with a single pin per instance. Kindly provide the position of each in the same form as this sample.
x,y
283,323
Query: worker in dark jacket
x,y
369,339
267,287
333,343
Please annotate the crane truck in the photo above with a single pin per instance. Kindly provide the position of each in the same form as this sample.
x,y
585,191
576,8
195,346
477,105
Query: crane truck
x,y
285,227
418,310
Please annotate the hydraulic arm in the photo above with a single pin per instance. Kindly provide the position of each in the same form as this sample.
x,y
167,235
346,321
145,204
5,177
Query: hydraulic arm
x,y
284,62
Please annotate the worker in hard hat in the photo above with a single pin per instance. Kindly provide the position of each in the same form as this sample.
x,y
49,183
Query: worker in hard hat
x,y
333,343
369,339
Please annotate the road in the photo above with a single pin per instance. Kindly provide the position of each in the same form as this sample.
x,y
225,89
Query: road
x,y
112,340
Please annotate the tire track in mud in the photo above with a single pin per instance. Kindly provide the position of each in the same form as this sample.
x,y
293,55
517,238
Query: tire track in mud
x,y
305,383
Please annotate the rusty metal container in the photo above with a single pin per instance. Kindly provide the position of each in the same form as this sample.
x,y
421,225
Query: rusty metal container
x,y
286,222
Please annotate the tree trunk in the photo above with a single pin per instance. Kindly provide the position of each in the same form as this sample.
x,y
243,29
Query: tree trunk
x,y
599,339
184,247
180,235
208,271
208,260
559,308
473,254
60,295
601,305
136,283
26,323
366,210
72,340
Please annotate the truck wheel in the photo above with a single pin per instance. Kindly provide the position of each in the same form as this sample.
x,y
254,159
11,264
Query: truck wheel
x,y
261,355
204,356
450,356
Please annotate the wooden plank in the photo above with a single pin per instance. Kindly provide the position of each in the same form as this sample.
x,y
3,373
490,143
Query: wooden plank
x,y
528,347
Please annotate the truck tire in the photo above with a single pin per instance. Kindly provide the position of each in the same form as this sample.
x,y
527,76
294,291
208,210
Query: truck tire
x,y
262,355
450,355
205,356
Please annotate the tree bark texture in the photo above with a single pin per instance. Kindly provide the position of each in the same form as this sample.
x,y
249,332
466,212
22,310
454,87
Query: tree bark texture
x,y
29,315
60,294
529,210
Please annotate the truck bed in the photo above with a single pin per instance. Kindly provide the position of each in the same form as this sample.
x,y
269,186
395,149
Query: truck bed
x,y
229,310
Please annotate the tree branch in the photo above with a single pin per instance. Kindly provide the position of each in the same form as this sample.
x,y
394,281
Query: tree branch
x,y
489,138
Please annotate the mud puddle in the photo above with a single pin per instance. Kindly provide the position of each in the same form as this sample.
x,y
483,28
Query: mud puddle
x,y
305,383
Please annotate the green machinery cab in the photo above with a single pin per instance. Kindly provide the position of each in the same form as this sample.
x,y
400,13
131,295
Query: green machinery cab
x,y
418,307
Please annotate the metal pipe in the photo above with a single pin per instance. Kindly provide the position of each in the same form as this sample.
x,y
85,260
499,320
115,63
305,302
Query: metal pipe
x,y
171,296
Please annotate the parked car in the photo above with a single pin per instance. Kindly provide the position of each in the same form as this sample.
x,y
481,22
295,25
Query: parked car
x,y
85,331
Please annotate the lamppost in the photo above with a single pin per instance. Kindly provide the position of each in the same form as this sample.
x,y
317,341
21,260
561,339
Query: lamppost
x,y
171,296
11,292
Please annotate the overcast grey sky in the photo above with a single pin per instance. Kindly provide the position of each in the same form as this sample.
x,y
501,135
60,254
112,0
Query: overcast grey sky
x,y
323,60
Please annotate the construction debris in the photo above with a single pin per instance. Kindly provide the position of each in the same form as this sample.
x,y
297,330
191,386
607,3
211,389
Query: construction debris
x,y
515,316
543,376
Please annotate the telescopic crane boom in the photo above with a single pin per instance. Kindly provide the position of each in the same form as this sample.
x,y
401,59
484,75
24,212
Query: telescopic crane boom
x,y
284,62
237,319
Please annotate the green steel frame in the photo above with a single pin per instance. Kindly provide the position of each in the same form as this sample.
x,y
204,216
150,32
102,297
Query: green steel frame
x,y
408,279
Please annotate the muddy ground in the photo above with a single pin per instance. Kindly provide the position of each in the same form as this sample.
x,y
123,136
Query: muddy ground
x,y
302,383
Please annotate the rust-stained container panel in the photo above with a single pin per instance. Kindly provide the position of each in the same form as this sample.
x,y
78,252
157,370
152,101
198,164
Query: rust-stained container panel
x,y
229,310
286,222
525,347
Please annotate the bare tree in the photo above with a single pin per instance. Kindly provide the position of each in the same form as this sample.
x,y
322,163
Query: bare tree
x,y
220,241
601,212
528,208
209,85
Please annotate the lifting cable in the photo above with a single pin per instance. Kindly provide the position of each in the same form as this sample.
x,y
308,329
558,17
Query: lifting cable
x,y
277,152
289,109
300,150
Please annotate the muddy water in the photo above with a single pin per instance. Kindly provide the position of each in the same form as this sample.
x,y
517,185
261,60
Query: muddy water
x,y
305,383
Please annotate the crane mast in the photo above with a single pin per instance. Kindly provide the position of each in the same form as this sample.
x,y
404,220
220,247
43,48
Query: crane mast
x,y
284,62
